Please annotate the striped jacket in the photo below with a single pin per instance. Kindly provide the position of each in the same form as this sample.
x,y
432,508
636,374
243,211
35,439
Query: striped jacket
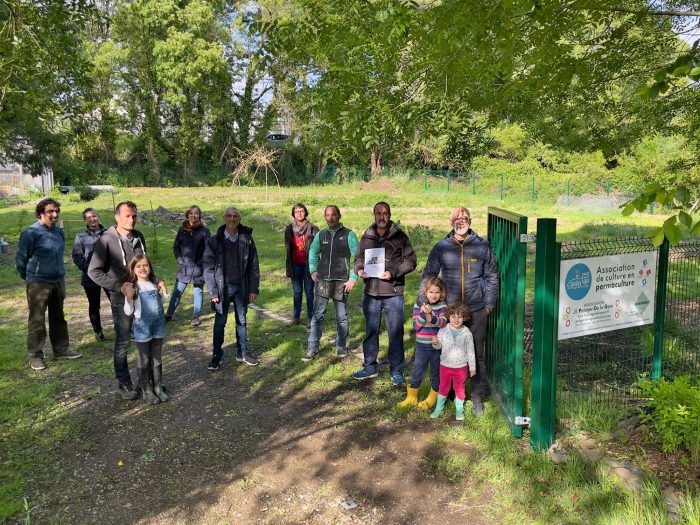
x,y
425,331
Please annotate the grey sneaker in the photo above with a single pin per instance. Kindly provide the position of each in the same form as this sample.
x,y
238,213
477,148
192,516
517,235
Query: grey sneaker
x,y
195,321
249,359
341,351
309,356
477,407
68,355
127,391
37,363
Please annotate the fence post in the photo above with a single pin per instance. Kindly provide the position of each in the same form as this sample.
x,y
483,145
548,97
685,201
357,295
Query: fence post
x,y
544,350
449,181
568,192
659,311
533,188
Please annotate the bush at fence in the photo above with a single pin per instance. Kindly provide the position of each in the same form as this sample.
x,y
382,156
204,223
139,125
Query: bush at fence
x,y
673,412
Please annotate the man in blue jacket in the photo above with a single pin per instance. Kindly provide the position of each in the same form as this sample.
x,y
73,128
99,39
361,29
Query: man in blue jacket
x,y
39,261
470,274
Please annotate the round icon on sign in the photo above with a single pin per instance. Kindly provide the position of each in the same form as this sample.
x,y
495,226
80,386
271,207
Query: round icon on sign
x,y
568,309
566,317
568,323
649,272
617,303
644,282
578,281
617,315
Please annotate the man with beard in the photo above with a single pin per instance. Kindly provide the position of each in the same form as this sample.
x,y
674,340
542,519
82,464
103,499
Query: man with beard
x,y
470,274
383,294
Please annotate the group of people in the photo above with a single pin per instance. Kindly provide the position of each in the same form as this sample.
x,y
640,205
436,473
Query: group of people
x,y
449,315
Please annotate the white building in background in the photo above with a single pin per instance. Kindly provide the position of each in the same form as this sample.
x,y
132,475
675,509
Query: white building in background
x,y
16,180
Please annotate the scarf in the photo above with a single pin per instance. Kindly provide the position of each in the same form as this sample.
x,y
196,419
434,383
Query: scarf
x,y
300,231
189,227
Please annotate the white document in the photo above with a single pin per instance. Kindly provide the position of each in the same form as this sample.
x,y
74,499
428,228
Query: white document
x,y
374,262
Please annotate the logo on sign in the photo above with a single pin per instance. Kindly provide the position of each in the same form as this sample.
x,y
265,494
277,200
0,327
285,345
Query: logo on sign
x,y
578,281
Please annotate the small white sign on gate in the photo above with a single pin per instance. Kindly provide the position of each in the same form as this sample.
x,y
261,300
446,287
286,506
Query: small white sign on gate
x,y
600,294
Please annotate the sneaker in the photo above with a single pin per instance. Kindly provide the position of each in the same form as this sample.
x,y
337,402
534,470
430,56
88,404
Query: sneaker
x,y
37,363
68,355
168,318
195,321
100,336
309,356
215,362
361,375
477,407
341,351
397,380
127,391
294,322
239,357
249,359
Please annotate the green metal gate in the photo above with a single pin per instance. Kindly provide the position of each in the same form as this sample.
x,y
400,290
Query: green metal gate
x,y
505,344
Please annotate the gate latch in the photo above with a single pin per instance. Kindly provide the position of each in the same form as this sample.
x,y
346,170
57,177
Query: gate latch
x,y
522,421
528,237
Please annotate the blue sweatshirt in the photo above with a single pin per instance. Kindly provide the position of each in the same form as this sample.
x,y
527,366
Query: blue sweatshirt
x,y
39,255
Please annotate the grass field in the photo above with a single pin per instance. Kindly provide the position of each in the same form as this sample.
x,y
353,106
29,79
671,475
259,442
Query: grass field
x,y
44,414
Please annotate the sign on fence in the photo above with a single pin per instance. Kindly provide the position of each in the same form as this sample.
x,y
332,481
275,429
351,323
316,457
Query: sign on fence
x,y
599,294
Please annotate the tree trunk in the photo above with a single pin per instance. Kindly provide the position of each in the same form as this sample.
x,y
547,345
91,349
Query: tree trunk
x,y
375,163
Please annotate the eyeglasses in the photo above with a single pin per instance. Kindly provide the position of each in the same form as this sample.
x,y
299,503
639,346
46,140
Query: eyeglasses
x,y
462,218
230,216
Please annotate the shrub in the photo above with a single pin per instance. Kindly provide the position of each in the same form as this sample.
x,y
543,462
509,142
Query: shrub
x,y
673,412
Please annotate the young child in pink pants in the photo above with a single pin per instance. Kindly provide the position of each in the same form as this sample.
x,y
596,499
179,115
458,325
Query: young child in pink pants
x,y
457,359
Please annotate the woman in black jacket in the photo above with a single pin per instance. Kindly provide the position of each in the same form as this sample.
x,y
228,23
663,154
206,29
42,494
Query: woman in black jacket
x,y
189,249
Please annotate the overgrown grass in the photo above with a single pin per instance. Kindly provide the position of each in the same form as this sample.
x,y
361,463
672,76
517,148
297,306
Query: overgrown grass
x,y
36,417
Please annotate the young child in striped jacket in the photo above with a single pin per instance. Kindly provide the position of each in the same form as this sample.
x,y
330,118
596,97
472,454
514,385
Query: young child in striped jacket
x,y
428,318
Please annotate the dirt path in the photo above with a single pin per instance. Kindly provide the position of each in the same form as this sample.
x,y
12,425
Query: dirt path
x,y
231,447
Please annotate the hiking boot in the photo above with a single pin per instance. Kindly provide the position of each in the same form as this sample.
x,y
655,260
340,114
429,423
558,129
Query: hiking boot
x,y
37,363
295,322
215,362
68,355
127,391
341,351
100,336
195,321
309,356
249,359
397,380
361,375
168,318
477,407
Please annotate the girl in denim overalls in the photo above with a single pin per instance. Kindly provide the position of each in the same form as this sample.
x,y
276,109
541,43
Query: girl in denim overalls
x,y
149,327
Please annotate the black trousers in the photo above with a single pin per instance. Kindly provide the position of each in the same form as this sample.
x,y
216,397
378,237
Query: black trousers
x,y
478,324
93,297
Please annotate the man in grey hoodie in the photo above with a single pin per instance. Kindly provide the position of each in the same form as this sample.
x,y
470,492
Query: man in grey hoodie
x,y
39,261
109,268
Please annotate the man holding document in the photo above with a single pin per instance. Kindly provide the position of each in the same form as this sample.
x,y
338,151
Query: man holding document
x,y
384,256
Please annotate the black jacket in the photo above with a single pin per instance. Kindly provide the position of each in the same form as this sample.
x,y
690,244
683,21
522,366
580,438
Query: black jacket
x,y
83,246
189,251
213,262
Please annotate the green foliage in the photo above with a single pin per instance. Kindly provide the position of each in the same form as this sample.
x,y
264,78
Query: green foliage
x,y
674,412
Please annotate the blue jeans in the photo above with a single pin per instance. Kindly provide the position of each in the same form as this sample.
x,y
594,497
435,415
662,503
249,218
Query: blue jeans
x,y
122,336
177,295
426,355
392,307
301,281
234,294
341,322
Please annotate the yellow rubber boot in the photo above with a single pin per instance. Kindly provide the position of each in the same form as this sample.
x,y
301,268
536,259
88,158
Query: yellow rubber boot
x,y
428,402
411,398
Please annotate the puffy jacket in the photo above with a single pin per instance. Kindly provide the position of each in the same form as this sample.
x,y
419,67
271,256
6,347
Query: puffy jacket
x,y
188,249
288,236
109,264
39,256
213,262
399,259
468,270
83,246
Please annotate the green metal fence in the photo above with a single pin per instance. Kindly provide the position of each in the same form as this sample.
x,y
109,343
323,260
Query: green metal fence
x,y
598,372
505,344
